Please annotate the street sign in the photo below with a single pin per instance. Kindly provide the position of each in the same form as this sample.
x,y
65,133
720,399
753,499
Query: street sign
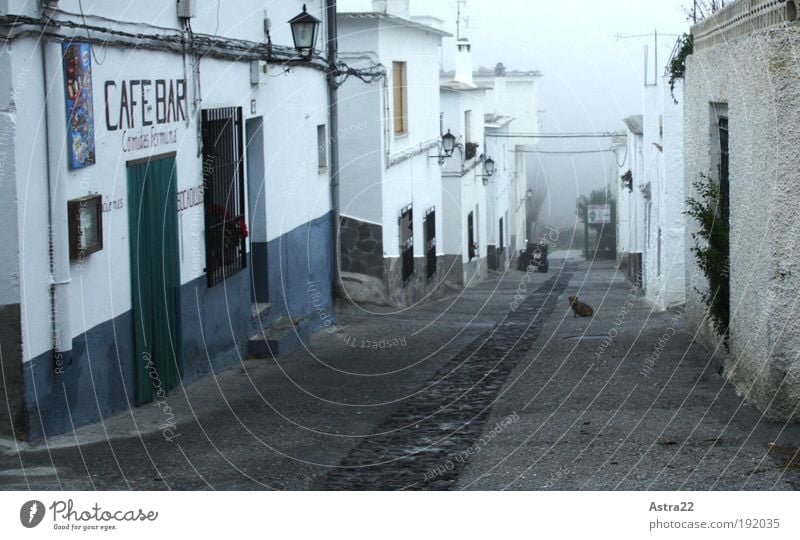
x,y
599,214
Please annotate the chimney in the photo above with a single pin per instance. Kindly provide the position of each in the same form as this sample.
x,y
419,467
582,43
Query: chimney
x,y
464,62
398,8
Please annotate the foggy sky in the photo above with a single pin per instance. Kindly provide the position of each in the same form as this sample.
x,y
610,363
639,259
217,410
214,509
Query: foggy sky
x,y
591,79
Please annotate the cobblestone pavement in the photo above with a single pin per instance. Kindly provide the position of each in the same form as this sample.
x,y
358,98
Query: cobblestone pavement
x,y
427,441
498,387
628,400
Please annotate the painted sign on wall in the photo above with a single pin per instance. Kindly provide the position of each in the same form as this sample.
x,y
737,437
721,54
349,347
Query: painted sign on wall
x,y
145,111
599,214
80,111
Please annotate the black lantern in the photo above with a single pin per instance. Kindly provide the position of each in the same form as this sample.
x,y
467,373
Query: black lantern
x,y
448,143
489,167
304,32
488,170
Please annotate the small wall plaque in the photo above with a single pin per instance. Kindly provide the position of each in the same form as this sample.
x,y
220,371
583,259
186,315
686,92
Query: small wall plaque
x,y
85,226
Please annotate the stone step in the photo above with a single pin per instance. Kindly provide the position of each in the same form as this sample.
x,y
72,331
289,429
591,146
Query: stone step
x,y
283,337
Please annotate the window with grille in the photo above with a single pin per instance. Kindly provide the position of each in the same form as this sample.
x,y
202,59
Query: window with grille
x,y
471,235
399,84
223,183
407,242
430,242
502,237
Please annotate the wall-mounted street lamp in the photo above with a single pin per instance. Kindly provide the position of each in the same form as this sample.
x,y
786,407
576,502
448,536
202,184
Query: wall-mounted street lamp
x,y
305,28
447,146
489,168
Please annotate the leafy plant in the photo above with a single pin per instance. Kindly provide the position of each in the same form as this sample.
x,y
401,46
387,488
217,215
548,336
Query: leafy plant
x,y
677,65
470,150
711,249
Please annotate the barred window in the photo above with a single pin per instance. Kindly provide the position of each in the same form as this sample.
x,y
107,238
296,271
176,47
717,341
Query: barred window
x,y
430,242
407,242
223,184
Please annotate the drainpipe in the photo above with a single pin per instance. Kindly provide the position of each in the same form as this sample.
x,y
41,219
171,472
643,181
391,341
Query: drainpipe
x,y
57,231
333,122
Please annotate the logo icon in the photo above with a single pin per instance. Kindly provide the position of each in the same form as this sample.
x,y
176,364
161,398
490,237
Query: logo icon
x,y
31,514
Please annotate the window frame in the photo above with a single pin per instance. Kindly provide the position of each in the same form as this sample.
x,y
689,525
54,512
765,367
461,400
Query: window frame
x,y
400,98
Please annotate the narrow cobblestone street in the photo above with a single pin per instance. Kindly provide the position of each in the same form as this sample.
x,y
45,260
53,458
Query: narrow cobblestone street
x,y
484,390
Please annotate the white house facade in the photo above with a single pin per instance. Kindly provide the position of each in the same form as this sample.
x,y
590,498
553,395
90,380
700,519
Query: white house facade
x,y
630,201
391,179
158,187
464,180
742,114
512,96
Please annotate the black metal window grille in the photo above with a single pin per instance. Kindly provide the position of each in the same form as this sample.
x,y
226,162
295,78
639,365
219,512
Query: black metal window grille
x,y
724,165
430,242
502,238
407,242
471,236
223,184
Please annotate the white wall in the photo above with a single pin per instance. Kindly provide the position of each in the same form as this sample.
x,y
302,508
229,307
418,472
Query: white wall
x,y
292,106
12,86
362,117
404,175
664,279
467,191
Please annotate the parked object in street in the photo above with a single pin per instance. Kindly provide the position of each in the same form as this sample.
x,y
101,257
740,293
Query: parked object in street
x,y
535,255
579,308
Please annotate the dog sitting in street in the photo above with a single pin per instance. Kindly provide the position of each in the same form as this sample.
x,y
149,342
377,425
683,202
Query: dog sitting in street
x,y
579,308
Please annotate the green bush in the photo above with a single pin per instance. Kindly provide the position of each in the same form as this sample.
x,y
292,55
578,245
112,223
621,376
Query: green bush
x,y
712,248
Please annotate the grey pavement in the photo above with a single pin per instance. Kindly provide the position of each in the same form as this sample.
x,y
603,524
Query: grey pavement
x,y
497,387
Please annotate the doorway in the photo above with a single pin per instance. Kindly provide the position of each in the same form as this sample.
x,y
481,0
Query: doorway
x,y
155,275
257,210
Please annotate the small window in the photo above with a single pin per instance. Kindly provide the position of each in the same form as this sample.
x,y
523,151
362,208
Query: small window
x,y
471,251
399,85
468,126
407,242
430,242
322,148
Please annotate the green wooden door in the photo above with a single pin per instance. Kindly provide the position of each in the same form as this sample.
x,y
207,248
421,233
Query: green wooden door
x,y
155,274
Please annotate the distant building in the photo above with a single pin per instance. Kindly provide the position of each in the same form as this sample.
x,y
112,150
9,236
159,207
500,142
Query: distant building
x,y
465,196
742,128
650,221
512,95
391,180
630,201
163,193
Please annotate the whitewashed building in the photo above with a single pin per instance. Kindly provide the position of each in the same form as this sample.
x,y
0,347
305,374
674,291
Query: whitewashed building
x,y
163,178
512,96
650,221
630,201
464,179
391,179
742,128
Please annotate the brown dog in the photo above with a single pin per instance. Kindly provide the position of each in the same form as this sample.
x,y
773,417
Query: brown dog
x,y
579,308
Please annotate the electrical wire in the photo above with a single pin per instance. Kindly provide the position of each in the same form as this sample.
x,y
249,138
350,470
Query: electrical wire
x,y
89,35
562,153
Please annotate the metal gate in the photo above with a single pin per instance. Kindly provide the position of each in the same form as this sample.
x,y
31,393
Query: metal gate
x,y
223,182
